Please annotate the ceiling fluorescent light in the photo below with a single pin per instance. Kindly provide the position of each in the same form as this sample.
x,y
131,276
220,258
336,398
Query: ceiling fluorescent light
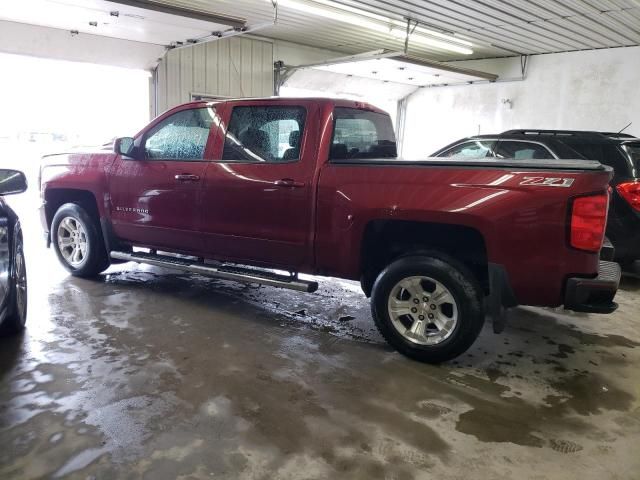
x,y
433,33
401,25
430,42
372,21
357,11
333,14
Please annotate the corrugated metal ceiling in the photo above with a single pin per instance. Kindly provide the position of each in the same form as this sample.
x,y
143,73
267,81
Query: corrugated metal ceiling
x,y
495,27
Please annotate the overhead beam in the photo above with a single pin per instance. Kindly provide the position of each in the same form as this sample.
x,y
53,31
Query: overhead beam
x,y
400,56
381,53
196,14
446,67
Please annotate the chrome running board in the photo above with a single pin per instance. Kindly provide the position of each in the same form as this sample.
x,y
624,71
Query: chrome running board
x,y
225,272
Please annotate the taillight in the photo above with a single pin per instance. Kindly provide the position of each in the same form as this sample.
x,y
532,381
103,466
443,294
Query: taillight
x,y
630,191
588,222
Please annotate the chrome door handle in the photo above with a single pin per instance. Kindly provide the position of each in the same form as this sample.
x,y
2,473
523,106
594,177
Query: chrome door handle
x,y
288,183
186,177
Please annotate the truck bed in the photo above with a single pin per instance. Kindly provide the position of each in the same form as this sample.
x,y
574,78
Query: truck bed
x,y
575,165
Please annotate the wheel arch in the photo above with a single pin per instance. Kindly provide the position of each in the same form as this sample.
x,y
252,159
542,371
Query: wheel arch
x,y
56,197
386,240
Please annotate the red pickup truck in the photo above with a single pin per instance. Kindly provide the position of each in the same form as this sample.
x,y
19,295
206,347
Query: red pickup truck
x,y
258,190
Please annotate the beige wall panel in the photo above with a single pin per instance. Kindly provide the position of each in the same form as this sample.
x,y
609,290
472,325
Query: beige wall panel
x,y
231,67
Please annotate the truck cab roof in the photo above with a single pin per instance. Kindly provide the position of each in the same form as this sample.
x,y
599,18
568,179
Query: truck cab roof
x,y
335,102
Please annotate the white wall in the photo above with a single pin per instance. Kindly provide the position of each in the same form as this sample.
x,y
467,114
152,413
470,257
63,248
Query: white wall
x,y
590,90
45,42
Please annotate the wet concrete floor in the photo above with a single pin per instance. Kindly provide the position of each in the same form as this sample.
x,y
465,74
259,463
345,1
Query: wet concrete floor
x,y
149,373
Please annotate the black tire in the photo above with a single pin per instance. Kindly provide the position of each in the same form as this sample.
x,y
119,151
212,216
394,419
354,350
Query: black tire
x,y
461,284
95,259
16,317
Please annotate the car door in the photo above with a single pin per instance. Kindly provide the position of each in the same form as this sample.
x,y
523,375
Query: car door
x,y
155,197
258,196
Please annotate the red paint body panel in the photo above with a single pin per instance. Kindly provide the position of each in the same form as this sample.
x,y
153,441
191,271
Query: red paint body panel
x,y
164,210
237,211
86,171
524,227
247,216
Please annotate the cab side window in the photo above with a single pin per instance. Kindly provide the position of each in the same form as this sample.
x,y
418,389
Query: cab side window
x,y
471,150
269,134
362,134
522,151
181,136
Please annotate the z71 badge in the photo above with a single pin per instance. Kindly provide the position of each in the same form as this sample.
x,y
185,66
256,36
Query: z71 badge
x,y
548,181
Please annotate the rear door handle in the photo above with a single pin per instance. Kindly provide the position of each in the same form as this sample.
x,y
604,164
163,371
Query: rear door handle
x,y
187,177
288,183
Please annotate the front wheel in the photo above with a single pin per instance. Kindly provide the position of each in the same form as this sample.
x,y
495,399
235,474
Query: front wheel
x,y
78,241
428,307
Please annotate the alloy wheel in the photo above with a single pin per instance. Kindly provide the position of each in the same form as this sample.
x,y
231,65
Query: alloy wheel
x,y
72,241
423,310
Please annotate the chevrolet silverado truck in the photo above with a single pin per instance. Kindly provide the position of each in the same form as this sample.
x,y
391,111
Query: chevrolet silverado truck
x,y
260,190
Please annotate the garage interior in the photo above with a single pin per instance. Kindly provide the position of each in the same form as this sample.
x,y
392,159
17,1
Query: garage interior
x,y
147,372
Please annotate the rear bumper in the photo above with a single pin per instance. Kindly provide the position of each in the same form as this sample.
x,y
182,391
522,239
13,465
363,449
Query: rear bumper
x,y
594,295
608,251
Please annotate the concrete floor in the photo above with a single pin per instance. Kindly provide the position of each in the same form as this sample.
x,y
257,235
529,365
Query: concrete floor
x,y
147,373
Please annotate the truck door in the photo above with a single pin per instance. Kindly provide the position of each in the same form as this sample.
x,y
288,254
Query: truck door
x,y
155,197
258,196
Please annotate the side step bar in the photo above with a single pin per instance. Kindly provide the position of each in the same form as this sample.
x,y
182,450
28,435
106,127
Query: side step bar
x,y
225,272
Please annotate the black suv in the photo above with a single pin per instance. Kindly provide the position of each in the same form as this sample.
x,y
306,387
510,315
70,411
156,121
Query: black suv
x,y
618,150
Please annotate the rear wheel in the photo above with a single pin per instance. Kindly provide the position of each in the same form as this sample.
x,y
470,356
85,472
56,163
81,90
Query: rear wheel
x,y
16,317
78,241
428,307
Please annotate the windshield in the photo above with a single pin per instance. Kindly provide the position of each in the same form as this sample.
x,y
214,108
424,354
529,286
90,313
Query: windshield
x,y
633,150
